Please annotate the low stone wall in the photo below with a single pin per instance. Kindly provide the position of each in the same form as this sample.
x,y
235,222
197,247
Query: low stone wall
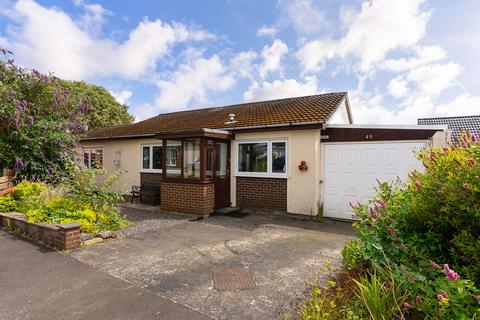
x,y
60,236
186,197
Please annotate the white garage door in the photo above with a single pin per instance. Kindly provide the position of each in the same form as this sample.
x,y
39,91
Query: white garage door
x,y
351,170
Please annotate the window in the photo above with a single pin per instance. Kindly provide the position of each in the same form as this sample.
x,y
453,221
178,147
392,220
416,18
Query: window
x,y
174,156
191,159
93,157
262,158
152,157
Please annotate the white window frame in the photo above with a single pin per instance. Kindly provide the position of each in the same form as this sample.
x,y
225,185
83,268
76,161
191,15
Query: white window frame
x,y
89,150
269,173
150,169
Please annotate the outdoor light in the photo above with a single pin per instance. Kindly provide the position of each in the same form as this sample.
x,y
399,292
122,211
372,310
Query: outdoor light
x,y
116,162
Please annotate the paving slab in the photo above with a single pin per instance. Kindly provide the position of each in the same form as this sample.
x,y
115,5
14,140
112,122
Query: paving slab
x,y
39,283
177,261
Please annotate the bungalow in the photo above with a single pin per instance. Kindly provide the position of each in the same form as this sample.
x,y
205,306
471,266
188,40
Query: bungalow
x,y
287,155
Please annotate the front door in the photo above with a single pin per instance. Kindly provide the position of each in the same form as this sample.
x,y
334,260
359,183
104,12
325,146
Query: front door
x,y
218,169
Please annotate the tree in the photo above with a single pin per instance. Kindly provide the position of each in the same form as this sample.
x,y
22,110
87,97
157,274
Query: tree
x,y
41,118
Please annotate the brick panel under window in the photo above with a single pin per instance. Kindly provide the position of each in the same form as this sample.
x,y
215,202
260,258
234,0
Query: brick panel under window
x,y
262,193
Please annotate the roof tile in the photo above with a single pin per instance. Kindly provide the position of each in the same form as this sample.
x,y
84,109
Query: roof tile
x,y
272,112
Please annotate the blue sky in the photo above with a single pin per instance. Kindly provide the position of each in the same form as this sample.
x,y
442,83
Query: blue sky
x,y
398,59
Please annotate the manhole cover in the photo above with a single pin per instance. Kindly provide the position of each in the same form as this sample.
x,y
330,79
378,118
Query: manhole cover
x,y
237,278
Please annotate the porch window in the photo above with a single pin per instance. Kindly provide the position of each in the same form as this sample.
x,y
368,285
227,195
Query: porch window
x,y
93,157
173,158
191,159
262,158
152,157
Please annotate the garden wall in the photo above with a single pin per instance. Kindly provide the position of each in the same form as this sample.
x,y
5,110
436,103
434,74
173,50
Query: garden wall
x,y
60,236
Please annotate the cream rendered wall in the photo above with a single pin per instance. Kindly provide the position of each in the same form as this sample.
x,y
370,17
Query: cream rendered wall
x,y
303,187
129,154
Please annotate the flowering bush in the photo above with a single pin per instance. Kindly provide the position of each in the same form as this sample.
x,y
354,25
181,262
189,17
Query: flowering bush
x,y
41,118
432,219
69,202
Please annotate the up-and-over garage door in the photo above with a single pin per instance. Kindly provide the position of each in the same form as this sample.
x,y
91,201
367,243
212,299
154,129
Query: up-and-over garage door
x,y
351,170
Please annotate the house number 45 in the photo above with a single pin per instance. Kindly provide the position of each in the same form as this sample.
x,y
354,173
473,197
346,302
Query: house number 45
x,y
369,136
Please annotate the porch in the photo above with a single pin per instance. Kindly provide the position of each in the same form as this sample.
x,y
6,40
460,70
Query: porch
x,y
192,168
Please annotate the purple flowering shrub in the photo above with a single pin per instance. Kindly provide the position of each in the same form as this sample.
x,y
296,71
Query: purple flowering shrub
x,y
426,232
42,117
37,127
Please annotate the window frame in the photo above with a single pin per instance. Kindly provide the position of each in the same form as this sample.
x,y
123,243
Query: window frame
x,y
269,173
89,150
150,169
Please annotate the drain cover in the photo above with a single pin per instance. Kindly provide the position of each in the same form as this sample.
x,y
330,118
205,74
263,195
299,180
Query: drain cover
x,y
230,279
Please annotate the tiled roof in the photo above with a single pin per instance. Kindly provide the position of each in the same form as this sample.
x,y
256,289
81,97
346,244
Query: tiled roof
x,y
456,124
272,112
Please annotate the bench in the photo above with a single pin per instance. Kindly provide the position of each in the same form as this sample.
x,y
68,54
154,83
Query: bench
x,y
147,189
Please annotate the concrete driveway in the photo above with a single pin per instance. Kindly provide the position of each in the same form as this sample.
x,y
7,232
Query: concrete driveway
x,y
177,259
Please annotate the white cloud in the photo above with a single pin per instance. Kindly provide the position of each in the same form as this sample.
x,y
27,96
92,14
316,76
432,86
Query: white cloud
x,y
303,16
315,54
432,79
122,96
272,57
379,27
192,82
266,31
463,105
242,64
281,89
50,40
398,87
424,55
93,18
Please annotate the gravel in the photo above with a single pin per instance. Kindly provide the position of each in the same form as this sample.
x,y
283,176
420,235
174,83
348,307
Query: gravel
x,y
144,220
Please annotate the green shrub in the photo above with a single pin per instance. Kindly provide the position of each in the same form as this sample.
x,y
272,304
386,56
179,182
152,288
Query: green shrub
x,y
435,216
353,255
7,204
26,189
379,298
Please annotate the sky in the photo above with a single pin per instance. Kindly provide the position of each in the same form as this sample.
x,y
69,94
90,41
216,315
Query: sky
x,y
399,60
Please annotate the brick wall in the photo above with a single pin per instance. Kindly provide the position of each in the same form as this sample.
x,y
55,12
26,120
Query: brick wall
x,y
262,193
197,198
150,177
60,236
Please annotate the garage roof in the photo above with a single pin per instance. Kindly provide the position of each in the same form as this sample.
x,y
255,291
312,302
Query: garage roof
x,y
315,108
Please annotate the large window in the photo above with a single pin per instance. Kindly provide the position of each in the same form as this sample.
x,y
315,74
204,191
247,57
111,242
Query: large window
x,y
93,157
152,157
262,158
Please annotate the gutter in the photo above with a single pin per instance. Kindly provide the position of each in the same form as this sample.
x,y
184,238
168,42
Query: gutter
x,y
119,137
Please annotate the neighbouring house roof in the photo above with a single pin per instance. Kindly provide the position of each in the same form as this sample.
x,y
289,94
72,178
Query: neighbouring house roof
x,y
291,111
456,124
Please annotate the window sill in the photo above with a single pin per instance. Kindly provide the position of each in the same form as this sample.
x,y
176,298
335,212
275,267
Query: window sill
x,y
261,175
151,171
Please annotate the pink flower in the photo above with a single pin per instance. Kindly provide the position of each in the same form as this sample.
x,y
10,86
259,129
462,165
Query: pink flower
x,y
478,298
440,297
389,219
407,305
451,275
434,265
373,213
419,299
466,186
382,204
472,162
393,233
417,185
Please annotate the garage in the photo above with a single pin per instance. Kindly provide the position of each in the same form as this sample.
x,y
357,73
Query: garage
x,y
352,169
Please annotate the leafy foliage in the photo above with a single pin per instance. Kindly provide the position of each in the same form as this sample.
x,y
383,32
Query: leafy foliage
x,y
429,229
41,118
69,202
